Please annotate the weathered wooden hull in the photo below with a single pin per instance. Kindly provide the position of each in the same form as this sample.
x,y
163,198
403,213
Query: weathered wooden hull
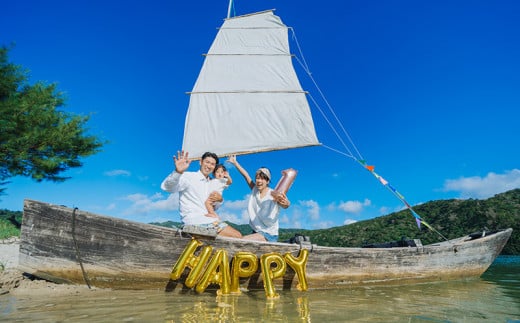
x,y
56,242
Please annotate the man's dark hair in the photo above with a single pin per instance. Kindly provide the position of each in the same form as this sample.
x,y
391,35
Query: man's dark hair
x,y
212,155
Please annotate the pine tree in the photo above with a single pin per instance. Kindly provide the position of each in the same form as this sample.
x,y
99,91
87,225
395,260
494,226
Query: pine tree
x,y
37,138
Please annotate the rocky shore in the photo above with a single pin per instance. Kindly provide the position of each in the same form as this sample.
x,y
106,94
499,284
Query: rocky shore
x,y
10,277
16,282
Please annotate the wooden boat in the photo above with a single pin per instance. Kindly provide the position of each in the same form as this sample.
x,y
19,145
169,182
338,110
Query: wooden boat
x,y
68,245
247,79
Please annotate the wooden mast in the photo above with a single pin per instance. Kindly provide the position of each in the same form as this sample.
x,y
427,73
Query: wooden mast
x,y
229,8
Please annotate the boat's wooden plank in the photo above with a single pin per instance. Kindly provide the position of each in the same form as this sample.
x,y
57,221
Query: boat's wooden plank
x,y
124,254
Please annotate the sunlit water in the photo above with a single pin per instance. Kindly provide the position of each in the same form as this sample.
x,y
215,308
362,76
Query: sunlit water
x,y
493,298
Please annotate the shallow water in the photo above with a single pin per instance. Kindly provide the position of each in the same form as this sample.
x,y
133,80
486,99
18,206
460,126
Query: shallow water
x,y
495,297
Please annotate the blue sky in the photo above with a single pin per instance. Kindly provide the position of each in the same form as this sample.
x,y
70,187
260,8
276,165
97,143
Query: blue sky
x,y
428,91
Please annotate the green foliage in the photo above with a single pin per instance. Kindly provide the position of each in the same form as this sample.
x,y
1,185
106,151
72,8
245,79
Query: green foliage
x,y
37,139
452,218
168,224
10,222
244,229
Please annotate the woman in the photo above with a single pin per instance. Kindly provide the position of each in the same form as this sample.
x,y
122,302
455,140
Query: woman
x,y
263,206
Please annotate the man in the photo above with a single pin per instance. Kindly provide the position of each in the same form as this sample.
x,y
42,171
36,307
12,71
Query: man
x,y
193,188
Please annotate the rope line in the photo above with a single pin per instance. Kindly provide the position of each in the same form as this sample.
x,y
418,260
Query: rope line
x,y
352,145
324,115
322,95
78,257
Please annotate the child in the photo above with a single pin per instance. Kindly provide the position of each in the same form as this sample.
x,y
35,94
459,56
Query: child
x,y
221,181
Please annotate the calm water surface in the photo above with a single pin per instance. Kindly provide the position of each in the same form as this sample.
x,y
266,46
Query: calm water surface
x,y
495,297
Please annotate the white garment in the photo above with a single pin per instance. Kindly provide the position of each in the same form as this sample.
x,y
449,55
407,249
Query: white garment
x,y
218,185
194,190
263,212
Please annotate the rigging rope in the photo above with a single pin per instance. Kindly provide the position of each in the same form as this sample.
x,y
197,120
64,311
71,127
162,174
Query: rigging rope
x,y
331,110
332,127
361,161
76,247
231,7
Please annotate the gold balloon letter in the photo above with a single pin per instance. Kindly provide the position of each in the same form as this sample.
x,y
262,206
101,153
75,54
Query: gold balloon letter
x,y
299,264
188,259
196,270
244,265
217,272
269,273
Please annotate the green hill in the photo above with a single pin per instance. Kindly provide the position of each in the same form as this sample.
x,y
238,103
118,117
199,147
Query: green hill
x,y
452,218
10,222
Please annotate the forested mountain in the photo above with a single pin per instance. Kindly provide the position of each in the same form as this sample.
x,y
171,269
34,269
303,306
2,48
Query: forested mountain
x,y
452,218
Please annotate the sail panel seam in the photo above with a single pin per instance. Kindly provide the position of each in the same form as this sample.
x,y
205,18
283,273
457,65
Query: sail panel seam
x,y
248,55
244,92
239,28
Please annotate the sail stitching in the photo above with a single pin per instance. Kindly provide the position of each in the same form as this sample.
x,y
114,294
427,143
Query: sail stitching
x,y
247,55
235,92
252,14
240,28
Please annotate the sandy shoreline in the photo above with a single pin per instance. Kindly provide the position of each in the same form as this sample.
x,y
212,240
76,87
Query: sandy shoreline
x,y
13,281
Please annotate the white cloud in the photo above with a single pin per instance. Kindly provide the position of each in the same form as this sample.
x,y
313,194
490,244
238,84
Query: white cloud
x,y
331,207
354,206
384,210
136,198
231,217
323,225
296,225
117,172
245,216
294,217
297,212
313,208
349,221
236,204
484,187
143,204
234,211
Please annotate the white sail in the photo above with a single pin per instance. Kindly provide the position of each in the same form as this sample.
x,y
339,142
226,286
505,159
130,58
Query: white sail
x,y
247,97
